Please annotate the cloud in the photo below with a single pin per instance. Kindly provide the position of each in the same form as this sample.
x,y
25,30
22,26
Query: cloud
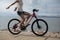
x,y
45,6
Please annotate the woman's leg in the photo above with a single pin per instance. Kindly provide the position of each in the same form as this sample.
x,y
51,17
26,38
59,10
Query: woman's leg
x,y
22,20
28,17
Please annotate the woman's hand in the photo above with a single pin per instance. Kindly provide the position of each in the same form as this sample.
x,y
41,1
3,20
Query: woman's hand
x,y
8,7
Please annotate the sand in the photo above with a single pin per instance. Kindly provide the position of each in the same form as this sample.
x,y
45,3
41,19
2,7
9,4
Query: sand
x,y
6,35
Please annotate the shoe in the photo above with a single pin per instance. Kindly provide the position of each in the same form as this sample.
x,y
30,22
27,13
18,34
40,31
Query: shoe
x,y
15,26
17,30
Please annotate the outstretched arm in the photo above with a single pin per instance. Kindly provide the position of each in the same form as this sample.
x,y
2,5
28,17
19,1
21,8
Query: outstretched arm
x,y
12,4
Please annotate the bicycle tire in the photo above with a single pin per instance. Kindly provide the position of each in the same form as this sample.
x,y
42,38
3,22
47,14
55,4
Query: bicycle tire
x,y
9,25
45,24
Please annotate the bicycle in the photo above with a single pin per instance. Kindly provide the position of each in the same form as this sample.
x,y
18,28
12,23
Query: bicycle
x,y
39,29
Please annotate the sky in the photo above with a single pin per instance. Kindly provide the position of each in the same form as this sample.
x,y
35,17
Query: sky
x,y
46,7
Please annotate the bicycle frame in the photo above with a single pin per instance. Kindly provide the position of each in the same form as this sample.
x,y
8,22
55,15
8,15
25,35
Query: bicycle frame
x,y
33,15
26,24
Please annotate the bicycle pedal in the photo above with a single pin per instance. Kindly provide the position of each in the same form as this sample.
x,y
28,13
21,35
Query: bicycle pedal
x,y
27,25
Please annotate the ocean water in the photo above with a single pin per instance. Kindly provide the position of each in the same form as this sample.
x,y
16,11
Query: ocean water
x,y
53,22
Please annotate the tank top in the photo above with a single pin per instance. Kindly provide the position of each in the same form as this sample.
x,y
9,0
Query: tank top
x,y
20,5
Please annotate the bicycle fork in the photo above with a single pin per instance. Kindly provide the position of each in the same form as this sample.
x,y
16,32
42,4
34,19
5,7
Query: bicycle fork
x,y
38,23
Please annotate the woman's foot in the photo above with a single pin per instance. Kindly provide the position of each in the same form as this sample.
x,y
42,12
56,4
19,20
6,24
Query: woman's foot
x,y
16,28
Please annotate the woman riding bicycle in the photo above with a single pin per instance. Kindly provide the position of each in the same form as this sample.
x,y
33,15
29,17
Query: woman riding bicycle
x,y
20,11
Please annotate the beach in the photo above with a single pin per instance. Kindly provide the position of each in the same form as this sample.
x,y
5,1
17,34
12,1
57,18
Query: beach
x,y
6,35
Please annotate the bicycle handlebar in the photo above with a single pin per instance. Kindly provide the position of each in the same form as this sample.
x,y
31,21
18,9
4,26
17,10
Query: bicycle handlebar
x,y
35,10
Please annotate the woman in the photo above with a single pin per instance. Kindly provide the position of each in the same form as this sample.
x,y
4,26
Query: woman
x,y
20,11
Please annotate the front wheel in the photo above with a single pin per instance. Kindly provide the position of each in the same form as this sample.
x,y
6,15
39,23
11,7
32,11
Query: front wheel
x,y
39,27
12,24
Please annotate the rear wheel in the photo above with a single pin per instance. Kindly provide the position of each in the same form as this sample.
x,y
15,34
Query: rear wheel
x,y
12,24
42,29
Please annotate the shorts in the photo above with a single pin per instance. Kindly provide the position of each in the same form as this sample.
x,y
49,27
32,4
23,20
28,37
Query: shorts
x,y
19,13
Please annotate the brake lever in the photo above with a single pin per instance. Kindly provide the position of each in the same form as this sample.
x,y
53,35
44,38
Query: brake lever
x,y
35,10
